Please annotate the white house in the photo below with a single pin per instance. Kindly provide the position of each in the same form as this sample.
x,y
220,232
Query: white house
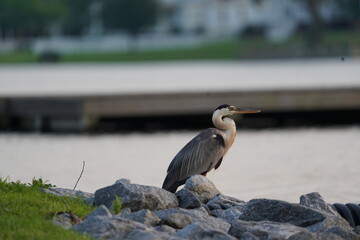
x,y
195,22
219,18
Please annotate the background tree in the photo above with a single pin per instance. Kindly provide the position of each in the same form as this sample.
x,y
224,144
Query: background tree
x,y
350,10
23,19
77,17
130,16
313,36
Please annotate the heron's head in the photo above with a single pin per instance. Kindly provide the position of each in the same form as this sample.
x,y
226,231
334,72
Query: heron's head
x,y
226,110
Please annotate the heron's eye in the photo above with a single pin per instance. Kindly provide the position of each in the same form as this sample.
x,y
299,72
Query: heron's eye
x,y
231,108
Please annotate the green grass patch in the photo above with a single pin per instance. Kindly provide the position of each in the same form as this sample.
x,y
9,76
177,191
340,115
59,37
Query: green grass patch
x,y
225,50
26,213
221,51
17,57
342,37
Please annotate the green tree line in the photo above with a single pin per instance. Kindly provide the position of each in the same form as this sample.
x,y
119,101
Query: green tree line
x,y
29,18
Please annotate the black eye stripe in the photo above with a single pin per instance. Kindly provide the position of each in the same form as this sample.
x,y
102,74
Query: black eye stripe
x,y
222,106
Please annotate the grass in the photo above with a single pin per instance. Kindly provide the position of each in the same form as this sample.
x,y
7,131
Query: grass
x,y
17,57
226,50
223,51
342,37
26,213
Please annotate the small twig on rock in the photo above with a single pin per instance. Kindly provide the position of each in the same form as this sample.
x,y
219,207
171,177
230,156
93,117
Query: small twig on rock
x,y
80,175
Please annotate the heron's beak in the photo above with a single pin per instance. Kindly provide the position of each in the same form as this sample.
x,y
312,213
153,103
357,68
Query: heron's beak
x,y
246,110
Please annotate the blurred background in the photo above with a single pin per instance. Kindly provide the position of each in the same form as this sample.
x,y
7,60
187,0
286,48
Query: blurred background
x,y
124,84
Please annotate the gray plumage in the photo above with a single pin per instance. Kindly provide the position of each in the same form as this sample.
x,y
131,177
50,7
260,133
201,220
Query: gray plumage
x,y
199,156
205,151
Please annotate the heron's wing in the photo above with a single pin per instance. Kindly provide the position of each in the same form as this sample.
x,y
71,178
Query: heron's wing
x,y
198,156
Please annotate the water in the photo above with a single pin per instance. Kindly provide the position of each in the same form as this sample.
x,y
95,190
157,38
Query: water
x,y
278,164
174,77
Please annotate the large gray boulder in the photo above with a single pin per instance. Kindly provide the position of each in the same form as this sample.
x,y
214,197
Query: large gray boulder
x,y
166,229
225,207
61,192
187,199
343,233
229,215
63,220
266,230
330,222
103,227
101,210
198,216
357,230
177,220
144,216
201,187
282,212
140,234
315,200
221,199
197,231
136,196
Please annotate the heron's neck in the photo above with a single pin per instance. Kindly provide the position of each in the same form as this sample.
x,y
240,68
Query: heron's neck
x,y
227,125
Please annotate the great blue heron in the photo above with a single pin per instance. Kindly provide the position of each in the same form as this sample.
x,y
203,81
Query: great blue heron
x,y
205,151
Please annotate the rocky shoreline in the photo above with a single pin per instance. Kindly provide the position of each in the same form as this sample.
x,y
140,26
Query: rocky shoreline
x,y
200,211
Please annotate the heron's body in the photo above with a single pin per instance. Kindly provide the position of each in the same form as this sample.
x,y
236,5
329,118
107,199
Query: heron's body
x,y
205,151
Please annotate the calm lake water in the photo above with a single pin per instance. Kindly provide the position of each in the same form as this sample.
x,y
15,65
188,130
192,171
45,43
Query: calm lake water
x,y
278,164
174,77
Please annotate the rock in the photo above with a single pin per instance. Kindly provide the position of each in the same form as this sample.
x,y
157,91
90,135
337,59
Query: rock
x,y
281,211
177,220
212,235
225,206
206,208
201,187
264,229
315,200
143,216
357,230
248,236
87,197
201,209
63,220
125,211
103,227
136,196
187,199
276,230
123,181
313,236
165,229
142,235
219,213
229,215
101,210
198,216
329,222
189,230
213,206
196,232
344,233
221,199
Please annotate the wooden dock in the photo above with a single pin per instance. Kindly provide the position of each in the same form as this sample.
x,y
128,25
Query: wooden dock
x,y
81,113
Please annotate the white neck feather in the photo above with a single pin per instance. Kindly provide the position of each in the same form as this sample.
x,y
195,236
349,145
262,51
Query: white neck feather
x,y
228,127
